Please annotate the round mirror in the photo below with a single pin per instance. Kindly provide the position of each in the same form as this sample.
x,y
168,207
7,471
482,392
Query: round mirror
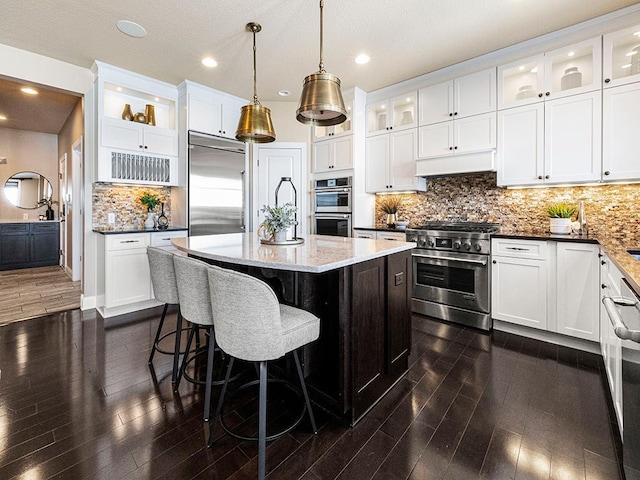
x,y
28,190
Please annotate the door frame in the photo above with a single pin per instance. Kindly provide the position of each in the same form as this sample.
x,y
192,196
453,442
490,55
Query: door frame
x,y
63,183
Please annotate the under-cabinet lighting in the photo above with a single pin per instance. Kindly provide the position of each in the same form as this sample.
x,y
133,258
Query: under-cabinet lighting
x,y
2,117
29,90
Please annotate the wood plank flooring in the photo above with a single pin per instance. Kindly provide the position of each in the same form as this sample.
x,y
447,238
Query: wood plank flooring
x,y
78,401
33,292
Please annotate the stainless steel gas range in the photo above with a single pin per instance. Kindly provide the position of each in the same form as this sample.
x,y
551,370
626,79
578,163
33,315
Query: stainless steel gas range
x,y
452,271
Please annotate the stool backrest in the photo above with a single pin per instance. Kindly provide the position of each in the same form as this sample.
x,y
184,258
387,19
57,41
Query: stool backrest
x,y
246,315
163,275
193,290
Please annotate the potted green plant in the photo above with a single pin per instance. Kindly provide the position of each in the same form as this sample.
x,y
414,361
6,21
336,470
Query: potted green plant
x,y
560,217
276,222
390,204
151,201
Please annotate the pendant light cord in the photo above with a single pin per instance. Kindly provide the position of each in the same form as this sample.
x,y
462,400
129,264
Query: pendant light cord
x,y
321,66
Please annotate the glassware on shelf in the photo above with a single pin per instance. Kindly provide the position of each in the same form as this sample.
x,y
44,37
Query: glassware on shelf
x,y
127,114
525,91
572,78
150,114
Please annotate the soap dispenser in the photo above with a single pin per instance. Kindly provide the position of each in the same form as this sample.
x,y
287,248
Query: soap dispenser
x,y
582,220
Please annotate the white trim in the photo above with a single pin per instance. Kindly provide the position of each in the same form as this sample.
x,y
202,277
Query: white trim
x,y
87,303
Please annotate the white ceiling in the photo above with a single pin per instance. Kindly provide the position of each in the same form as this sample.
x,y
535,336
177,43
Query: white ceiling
x,y
405,38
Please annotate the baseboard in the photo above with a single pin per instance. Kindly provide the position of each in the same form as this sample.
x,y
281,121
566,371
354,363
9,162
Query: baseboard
x,y
87,303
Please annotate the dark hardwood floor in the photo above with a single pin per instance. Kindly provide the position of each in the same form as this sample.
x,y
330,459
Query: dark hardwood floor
x,y
78,401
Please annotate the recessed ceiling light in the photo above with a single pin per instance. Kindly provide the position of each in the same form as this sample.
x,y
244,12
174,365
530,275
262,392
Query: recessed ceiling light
x,y
2,117
209,62
119,89
284,93
362,59
571,53
29,90
131,28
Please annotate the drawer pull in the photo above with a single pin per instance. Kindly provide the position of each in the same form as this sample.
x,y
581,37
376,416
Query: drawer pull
x,y
519,249
129,241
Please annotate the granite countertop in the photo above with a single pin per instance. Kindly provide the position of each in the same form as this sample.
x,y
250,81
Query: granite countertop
x,y
31,220
381,228
319,253
118,230
615,247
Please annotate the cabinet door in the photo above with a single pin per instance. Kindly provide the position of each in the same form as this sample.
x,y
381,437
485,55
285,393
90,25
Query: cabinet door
x,y
116,133
396,236
620,139
342,153
162,141
378,120
578,290
474,94
322,156
377,164
399,270
435,140
403,149
573,127
204,115
45,244
574,69
475,134
230,117
14,246
621,57
521,83
521,145
127,277
403,111
519,291
436,103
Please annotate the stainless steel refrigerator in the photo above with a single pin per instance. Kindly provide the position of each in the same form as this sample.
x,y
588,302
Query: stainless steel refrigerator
x,y
217,188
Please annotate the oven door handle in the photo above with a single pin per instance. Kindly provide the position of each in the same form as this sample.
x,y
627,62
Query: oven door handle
x,y
619,327
452,259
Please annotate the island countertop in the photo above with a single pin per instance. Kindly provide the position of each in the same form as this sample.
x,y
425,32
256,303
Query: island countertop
x,y
318,253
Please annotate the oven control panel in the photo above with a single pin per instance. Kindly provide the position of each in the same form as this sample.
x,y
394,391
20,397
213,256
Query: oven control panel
x,y
449,242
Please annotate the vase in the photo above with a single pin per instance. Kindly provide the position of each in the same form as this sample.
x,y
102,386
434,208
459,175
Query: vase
x,y
560,226
49,213
150,222
280,236
127,114
391,220
150,114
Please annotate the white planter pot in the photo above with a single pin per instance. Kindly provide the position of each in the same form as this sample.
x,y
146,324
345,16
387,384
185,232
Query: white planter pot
x,y
150,222
560,226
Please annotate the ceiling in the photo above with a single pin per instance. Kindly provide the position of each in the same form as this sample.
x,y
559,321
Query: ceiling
x,y
404,39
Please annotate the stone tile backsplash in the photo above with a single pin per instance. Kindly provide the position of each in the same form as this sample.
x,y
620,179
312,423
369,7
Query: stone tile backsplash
x,y
611,210
123,201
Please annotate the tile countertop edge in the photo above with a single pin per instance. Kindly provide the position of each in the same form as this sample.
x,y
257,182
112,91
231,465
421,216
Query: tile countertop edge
x,y
119,232
615,248
209,252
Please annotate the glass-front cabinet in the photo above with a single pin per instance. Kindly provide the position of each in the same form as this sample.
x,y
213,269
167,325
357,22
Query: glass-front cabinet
x,y
397,113
621,57
562,72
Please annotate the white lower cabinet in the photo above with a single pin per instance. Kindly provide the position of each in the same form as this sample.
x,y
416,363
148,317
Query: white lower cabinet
x,y
546,285
380,235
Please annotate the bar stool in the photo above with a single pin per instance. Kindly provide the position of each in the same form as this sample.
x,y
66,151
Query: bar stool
x,y
195,306
165,289
252,325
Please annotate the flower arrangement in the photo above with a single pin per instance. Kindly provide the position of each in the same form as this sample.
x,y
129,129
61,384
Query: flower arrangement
x,y
390,204
149,200
278,218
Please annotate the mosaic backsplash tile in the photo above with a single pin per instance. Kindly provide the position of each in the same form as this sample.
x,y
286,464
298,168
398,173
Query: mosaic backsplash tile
x,y
611,210
123,201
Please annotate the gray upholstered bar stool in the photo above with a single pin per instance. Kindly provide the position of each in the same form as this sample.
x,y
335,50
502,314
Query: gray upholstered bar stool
x,y
195,306
252,325
165,289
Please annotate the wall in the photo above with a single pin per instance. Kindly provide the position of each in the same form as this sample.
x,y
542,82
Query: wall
x,y
27,151
123,201
288,129
71,131
611,210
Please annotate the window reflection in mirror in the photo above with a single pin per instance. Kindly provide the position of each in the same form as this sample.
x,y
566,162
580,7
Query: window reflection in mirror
x,y
28,190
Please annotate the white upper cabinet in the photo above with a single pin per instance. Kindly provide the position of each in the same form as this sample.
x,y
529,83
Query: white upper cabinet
x,y
333,155
458,98
391,163
620,138
393,114
558,73
621,57
344,128
144,151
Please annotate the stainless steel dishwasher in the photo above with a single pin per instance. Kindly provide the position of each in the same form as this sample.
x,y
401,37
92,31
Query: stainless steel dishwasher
x,y
624,314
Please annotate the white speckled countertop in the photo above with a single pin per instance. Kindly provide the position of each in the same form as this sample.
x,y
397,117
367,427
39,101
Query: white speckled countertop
x,y
319,253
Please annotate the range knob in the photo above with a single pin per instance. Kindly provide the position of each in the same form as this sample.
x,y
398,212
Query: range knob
x,y
477,247
467,246
456,244
431,243
422,241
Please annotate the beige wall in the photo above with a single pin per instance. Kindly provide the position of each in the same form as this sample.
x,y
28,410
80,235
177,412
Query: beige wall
x,y
288,129
71,131
27,151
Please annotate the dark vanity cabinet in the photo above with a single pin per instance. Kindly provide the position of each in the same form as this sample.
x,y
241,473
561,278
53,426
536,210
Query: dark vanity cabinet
x,y
25,245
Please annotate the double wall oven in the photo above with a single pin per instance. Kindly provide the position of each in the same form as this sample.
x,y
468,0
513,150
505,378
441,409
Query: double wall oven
x,y
452,271
333,204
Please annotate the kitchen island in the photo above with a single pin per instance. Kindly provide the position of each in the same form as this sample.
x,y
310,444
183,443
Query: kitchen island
x,y
359,288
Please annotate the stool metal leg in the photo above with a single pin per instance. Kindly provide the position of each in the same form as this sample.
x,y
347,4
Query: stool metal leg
x,y
262,423
207,389
155,341
184,358
176,354
212,425
303,385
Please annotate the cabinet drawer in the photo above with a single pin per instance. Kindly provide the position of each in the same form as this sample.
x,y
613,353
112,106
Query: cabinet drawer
x,y
392,236
127,241
44,227
507,247
163,239
14,228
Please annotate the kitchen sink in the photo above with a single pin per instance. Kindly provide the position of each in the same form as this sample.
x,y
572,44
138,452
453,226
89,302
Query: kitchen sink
x,y
635,253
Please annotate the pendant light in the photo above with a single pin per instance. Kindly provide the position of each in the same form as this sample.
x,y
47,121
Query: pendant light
x,y
255,124
321,102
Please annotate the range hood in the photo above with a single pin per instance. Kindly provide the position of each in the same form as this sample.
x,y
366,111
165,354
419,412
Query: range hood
x,y
473,162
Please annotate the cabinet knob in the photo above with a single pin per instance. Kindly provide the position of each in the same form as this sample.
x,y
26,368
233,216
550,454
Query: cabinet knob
x,y
607,80
539,177
455,148
451,114
547,177
141,146
145,147
603,286
494,262
455,113
391,128
390,186
548,93
540,95
602,262
607,172
450,148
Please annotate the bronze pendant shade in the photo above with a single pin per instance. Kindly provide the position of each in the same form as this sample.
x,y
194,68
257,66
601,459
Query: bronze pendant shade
x,y
321,102
255,124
